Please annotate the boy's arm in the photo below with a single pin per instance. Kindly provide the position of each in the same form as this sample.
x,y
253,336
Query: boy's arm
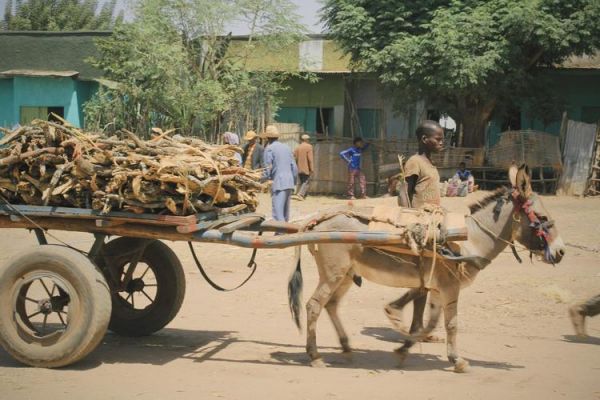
x,y
407,191
408,187
344,155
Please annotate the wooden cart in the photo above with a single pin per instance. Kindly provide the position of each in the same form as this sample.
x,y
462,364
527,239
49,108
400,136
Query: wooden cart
x,y
56,302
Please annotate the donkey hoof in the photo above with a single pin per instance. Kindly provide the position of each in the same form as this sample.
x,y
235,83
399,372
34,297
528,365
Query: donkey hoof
x,y
318,363
461,365
401,354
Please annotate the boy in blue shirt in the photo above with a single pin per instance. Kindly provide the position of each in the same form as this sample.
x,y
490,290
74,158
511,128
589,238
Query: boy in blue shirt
x,y
352,157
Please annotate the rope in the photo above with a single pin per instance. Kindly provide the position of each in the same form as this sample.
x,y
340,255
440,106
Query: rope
x,y
251,264
492,234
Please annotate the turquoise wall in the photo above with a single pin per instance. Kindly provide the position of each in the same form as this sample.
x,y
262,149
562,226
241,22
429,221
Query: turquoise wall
x,y
24,91
6,103
579,90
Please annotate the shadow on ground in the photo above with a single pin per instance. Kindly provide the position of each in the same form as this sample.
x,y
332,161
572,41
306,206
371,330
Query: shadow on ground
x,y
208,346
583,340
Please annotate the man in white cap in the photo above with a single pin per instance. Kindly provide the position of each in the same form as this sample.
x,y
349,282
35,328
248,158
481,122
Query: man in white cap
x,y
253,151
304,160
281,169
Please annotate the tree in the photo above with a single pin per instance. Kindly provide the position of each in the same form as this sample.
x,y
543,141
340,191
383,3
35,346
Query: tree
x,y
469,58
174,67
60,15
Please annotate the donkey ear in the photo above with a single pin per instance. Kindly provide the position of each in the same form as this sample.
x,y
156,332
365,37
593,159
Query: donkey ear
x,y
523,181
512,174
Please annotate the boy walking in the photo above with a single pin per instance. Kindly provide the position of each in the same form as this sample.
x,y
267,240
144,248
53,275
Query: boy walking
x,y
352,156
422,187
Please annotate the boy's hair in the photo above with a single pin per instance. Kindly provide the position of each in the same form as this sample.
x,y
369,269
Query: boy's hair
x,y
357,139
462,163
427,128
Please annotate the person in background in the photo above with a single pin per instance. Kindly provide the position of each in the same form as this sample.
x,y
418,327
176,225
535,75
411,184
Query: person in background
x,y
253,151
578,312
304,159
281,169
465,176
422,187
233,139
352,156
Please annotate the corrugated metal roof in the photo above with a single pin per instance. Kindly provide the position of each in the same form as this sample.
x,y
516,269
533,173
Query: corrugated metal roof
x,y
36,72
50,51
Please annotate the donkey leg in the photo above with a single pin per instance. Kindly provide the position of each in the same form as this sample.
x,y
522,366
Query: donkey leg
x,y
315,305
417,330
450,301
332,308
394,310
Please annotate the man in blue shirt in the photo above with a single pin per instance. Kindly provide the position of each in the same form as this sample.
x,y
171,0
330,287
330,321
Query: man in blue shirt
x,y
352,157
281,169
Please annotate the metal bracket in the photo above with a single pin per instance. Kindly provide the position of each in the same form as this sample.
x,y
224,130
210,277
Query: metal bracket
x,y
41,236
97,246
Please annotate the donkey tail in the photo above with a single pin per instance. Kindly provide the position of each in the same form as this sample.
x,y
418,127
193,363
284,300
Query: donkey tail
x,y
295,289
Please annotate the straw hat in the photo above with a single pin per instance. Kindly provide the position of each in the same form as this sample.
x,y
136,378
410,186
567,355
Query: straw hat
x,y
305,137
250,135
271,132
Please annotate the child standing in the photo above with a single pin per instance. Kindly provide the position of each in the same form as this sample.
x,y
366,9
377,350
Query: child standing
x,y
352,157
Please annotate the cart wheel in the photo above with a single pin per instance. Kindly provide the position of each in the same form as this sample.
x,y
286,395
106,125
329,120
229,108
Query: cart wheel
x,y
54,307
148,297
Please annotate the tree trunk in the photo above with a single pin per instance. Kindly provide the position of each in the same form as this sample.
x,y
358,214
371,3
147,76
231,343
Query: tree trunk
x,y
475,116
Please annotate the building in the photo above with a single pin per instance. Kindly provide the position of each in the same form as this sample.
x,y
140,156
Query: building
x,y
46,72
339,102
43,72
577,85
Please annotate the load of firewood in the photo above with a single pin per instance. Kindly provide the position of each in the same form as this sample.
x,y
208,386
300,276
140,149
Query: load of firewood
x,y
48,163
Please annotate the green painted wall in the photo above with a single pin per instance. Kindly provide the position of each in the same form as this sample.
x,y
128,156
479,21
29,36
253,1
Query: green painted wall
x,y
305,116
580,92
370,122
327,92
22,91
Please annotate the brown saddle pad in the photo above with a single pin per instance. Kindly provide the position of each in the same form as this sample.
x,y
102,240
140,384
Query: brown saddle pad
x,y
426,223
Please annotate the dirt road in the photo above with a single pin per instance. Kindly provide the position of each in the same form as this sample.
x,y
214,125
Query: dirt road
x,y
513,329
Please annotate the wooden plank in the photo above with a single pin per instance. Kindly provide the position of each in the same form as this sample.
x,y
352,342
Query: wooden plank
x,y
212,224
279,226
240,239
81,213
240,224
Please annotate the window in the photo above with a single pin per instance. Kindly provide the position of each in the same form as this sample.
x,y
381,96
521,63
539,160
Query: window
x,y
28,114
324,121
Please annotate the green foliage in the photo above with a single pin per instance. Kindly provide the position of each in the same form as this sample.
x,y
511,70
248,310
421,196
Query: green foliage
x,y
466,57
173,68
60,15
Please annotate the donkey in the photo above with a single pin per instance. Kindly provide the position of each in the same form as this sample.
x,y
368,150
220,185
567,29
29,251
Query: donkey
x,y
495,222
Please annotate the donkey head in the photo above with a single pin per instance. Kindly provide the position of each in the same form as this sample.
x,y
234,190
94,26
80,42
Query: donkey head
x,y
534,228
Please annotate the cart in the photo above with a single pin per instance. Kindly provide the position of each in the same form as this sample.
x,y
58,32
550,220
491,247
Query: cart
x,y
57,302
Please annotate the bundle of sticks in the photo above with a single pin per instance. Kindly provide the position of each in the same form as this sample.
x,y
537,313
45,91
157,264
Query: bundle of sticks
x,y
48,163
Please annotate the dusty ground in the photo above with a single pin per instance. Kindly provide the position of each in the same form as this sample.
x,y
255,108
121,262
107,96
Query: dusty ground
x,y
513,329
